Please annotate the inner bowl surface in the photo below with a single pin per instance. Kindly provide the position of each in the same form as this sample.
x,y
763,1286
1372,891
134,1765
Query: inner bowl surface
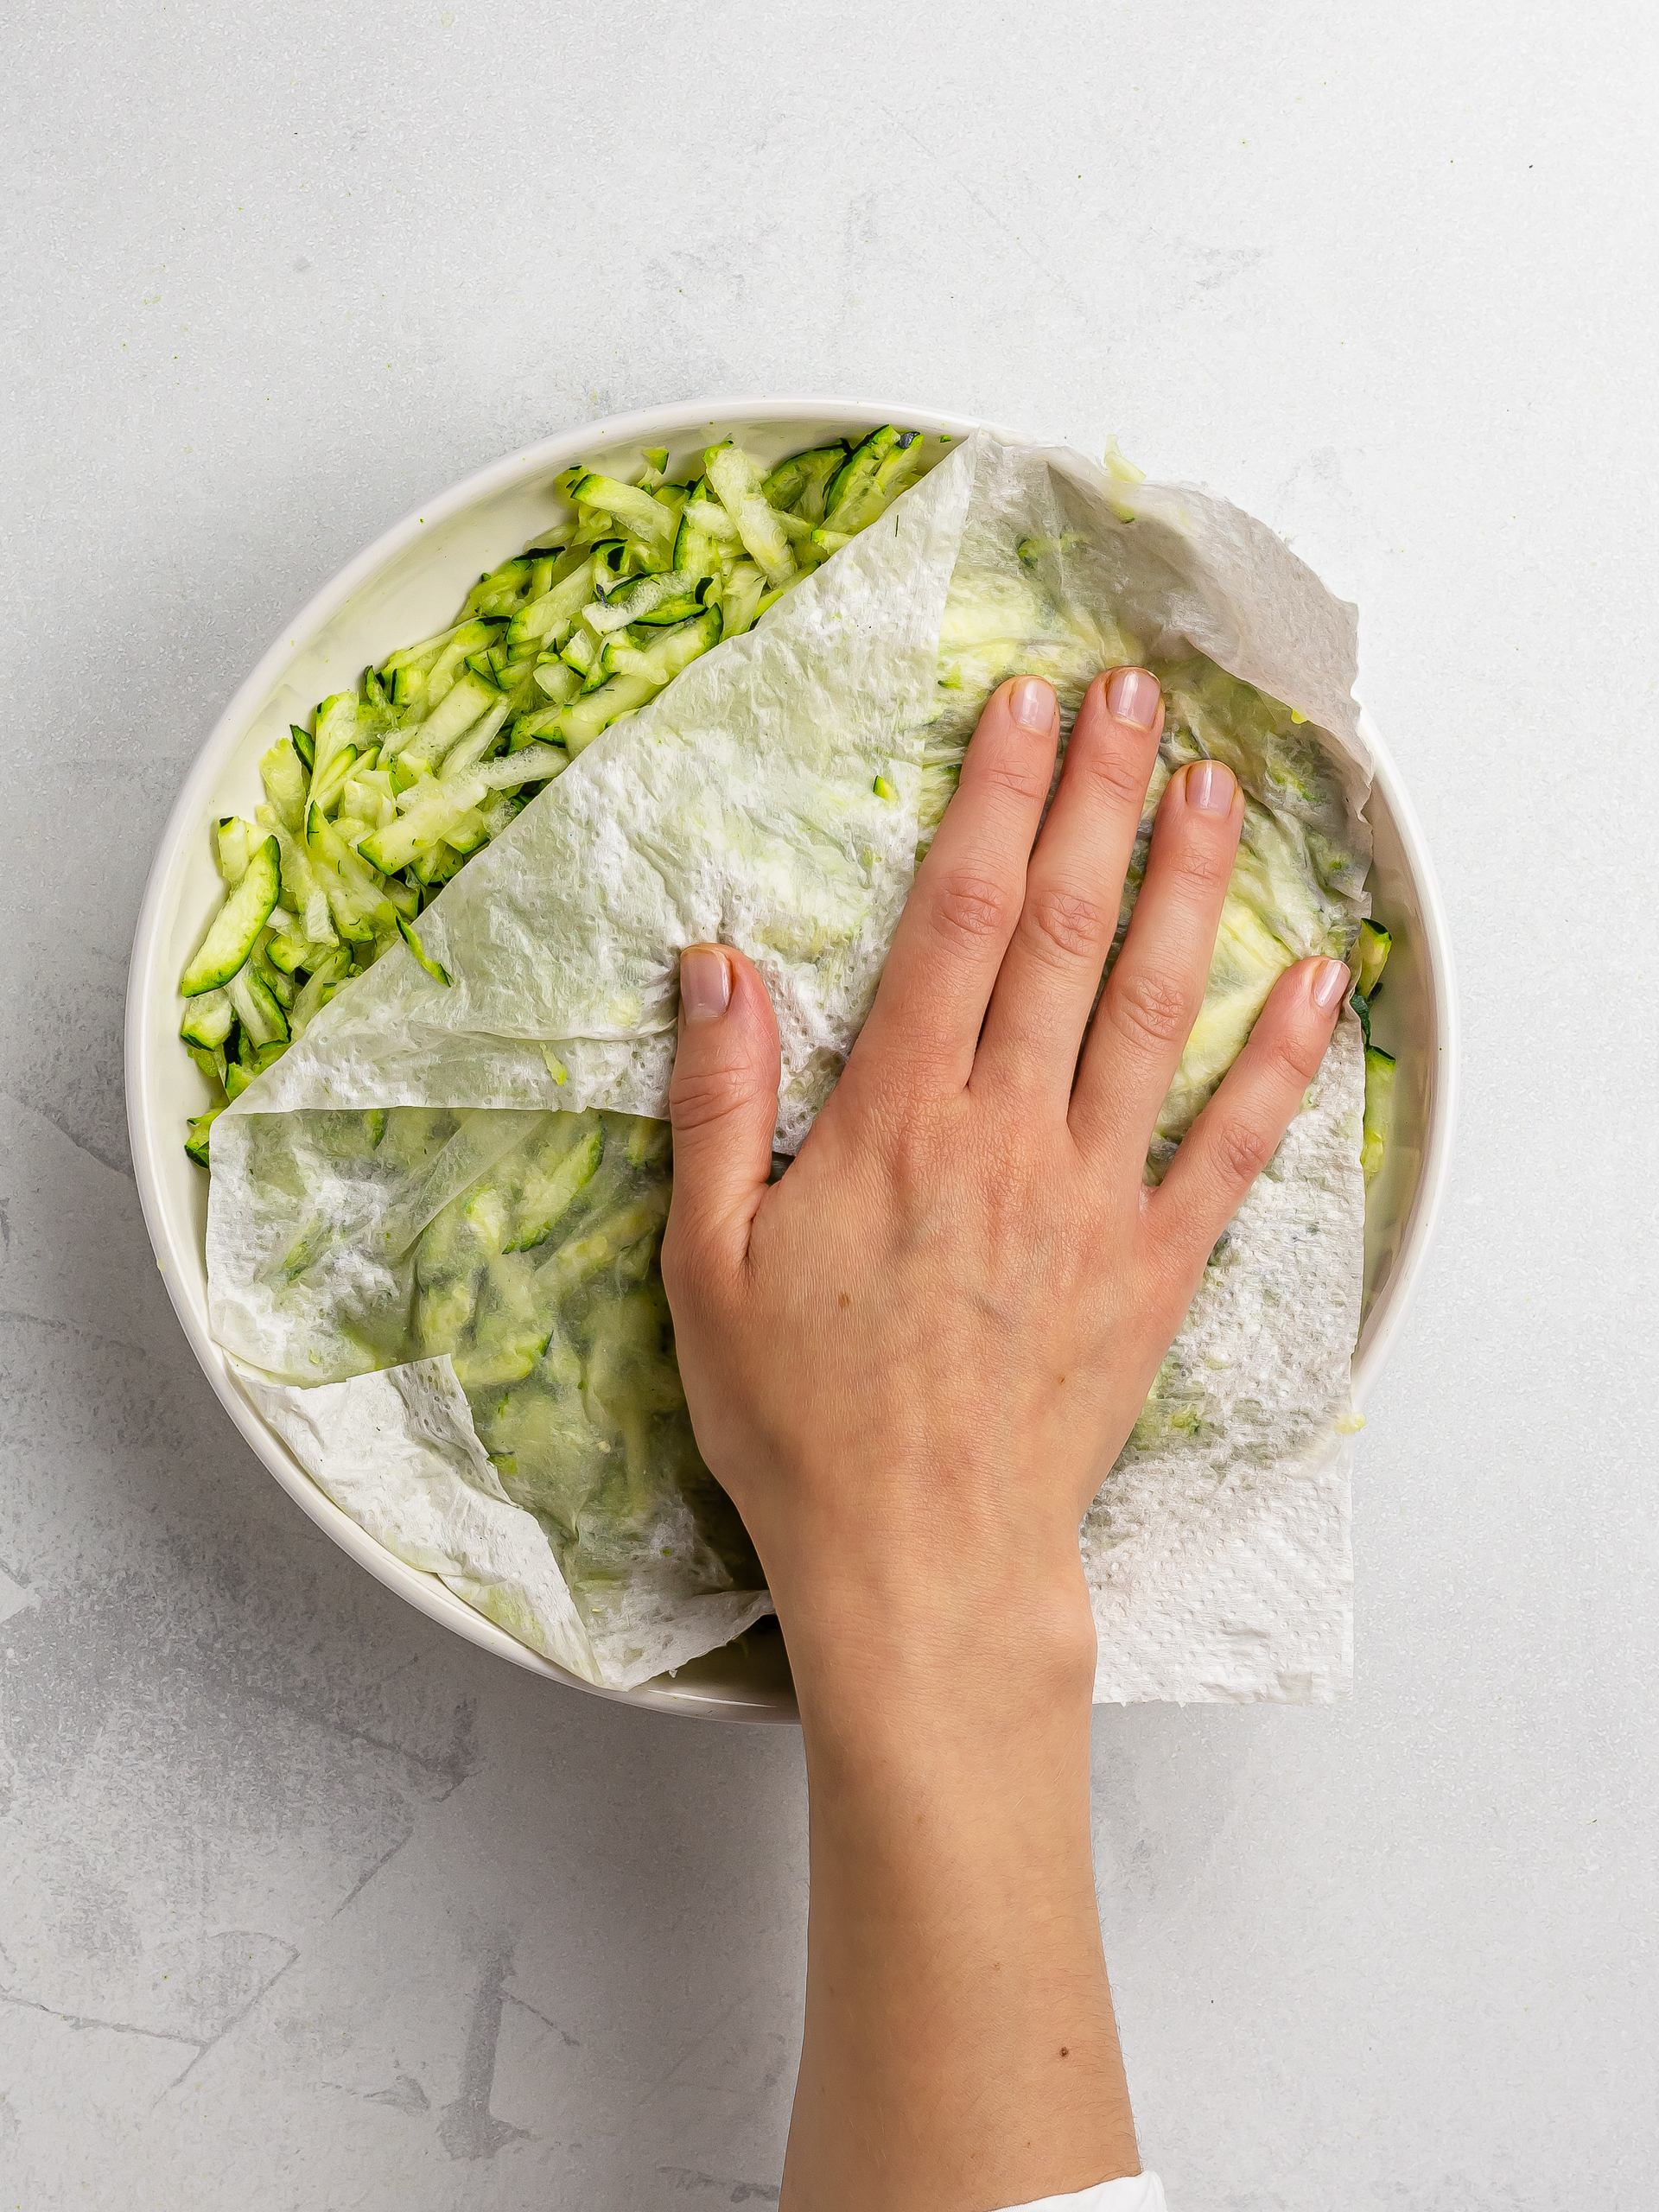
x,y
407,585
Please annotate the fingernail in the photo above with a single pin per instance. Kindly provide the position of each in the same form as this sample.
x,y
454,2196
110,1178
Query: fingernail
x,y
1210,787
1132,696
705,983
1331,985
1032,704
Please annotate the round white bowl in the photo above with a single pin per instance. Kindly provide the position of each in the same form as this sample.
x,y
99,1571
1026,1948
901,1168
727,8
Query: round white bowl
x,y
407,584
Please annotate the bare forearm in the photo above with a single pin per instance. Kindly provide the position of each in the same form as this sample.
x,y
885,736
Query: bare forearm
x,y
960,2050
911,1362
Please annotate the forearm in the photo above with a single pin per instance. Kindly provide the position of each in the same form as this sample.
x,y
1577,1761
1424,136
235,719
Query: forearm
x,y
911,1361
960,2050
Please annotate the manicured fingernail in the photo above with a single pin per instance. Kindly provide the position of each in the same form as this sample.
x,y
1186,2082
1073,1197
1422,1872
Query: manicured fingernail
x,y
1132,697
1210,787
1331,985
705,983
1032,704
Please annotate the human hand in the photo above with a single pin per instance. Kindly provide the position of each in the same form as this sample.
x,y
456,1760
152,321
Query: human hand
x,y
911,1362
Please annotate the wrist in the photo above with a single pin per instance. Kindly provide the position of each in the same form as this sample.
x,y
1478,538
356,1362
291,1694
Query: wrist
x,y
968,1769
952,1654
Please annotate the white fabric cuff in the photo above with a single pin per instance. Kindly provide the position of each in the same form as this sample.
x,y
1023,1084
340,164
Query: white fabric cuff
x,y
1135,2193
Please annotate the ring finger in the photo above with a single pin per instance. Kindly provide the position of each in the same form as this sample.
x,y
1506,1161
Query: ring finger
x,y
1152,995
1053,968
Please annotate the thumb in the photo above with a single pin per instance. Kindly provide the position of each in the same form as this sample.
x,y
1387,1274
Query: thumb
x,y
723,1103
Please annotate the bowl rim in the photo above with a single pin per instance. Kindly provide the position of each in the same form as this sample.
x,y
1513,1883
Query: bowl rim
x,y
1423,1218
141,1040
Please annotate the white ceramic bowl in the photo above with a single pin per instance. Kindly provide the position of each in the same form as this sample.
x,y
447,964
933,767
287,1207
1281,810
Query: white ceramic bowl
x,y
405,586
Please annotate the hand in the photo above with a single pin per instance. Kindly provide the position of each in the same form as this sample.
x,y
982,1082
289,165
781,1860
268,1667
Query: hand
x,y
914,1360
911,1362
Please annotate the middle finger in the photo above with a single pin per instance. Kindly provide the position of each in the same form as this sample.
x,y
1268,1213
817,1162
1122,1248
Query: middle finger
x,y
1153,994
1053,969
954,932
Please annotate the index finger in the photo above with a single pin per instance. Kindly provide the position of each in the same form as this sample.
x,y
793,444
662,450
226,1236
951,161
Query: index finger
x,y
966,899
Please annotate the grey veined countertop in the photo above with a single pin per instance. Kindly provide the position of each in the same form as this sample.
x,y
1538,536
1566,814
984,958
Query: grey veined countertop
x,y
306,1903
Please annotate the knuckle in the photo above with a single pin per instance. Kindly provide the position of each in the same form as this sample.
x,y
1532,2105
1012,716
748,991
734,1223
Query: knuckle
x,y
1068,923
1243,1149
913,1140
910,1172
1023,780
1293,1063
1202,864
1114,774
699,1096
969,908
912,1159
1148,1009
1292,1058
886,1085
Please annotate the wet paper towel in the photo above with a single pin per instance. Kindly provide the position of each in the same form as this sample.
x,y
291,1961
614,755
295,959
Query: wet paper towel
x,y
394,1151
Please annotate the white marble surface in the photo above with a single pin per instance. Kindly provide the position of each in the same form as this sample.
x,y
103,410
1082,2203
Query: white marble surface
x,y
304,1904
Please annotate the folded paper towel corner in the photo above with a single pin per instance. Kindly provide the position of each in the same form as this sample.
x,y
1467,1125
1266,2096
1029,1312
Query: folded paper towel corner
x,y
776,796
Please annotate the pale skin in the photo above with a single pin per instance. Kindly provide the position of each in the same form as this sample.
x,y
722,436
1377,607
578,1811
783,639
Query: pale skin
x,y
911,1362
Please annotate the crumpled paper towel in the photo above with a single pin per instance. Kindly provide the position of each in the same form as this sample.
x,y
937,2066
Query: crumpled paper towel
x,y
740,805
398,1451
1218,1551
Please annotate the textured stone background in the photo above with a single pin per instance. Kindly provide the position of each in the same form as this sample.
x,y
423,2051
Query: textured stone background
x,y
305,1903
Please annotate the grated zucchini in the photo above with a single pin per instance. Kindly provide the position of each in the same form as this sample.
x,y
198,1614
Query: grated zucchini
x,y
237,924
376,804
1380,1073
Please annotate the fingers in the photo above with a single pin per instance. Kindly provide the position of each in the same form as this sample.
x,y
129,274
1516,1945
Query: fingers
x,y
1155,990
1040,1006
723,1103
1238,1131
967,897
